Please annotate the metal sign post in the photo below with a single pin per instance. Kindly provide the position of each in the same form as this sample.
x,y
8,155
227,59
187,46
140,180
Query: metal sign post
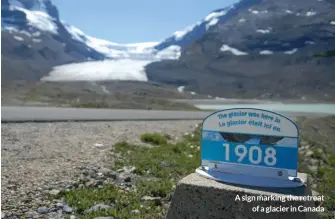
x,y
250,147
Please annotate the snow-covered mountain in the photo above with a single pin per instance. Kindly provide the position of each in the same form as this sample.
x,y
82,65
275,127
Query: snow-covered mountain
x,y
256,48
33,33
246,49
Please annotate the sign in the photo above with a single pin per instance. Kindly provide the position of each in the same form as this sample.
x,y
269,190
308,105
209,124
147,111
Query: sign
x,y
250,142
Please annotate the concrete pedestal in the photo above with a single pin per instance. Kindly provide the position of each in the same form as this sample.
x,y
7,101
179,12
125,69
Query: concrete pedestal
x,y
199,198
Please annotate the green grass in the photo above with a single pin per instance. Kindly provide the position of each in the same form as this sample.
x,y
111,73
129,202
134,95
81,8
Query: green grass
x,y
159,168
154,138
32,96
91,105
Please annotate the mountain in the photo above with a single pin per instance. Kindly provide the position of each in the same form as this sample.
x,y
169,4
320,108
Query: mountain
x,y
35,40
252,49
256,48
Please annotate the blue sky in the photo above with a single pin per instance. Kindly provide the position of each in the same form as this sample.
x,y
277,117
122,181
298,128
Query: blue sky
x,y
131,21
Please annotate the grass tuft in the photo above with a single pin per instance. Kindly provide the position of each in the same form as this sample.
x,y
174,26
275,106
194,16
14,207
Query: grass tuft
x,y
154,138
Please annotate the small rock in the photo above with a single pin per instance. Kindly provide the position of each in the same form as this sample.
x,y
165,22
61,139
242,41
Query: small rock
x,y
127,179
149,198
29,214
315,193
120,170
54,192
81,186
312,168
53,215
43,210
131,170
72,217
98,145
105,171
136,211
59,205
60,213
91,182
309,153
97,207
67,209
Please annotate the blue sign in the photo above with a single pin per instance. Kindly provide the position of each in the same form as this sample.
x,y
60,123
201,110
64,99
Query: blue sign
x,y
250,142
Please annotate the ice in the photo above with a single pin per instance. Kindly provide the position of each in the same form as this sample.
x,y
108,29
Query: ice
x,y
40,20
254,12
124,69
289,11
75,32
242,20
18,38
332,22
237,52
265,52
181,89
171,52
104,89
25,33
141,51
212,23
37,40
214,15
310,13
193,93
309,42
178,35
36,34
290,52
263,31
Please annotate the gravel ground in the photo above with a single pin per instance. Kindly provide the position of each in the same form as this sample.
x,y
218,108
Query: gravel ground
x,y
40,157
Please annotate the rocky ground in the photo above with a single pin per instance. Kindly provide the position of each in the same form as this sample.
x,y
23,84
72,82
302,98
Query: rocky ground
x,y
90,94
39,159
123,170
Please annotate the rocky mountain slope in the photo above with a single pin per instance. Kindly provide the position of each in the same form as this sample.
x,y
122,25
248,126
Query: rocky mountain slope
x,y
257,48
252,49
